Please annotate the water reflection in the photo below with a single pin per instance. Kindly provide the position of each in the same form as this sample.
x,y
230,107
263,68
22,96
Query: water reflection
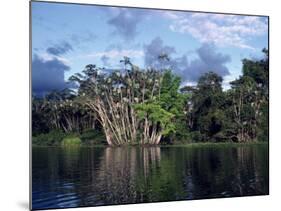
x,y
70,177
116,179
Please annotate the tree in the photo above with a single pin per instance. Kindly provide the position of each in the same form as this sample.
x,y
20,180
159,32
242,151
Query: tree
x,y
59,110
243,94
113,97
249,96
154,122
174,101
146,106
205,107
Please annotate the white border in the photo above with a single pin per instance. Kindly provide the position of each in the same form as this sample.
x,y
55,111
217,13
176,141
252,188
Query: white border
x,y
14,111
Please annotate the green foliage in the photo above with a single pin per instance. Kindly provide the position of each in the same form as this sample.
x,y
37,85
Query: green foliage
x,y
239,114
39,117
250,99
207,101
58,138
171,99
202,113
71,141
52,138
197,136
92,137
263,132
174,102
157,115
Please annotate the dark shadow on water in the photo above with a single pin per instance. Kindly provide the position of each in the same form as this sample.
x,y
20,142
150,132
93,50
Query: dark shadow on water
x,y
23,205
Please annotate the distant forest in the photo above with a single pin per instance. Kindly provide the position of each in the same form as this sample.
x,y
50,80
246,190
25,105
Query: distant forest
x,y
149,107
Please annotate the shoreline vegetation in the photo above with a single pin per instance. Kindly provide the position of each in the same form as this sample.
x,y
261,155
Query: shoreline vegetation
x,y
132,106
191,145
91,139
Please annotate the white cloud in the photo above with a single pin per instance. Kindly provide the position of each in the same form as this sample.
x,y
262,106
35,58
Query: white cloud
x,y
170,15
222,30
226,81
189,83
49,57
119,54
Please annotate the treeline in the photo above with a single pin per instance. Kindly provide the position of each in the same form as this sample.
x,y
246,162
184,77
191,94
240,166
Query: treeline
x,y
136,106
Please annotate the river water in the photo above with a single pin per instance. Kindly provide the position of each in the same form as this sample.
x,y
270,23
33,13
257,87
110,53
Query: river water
x,y
81,176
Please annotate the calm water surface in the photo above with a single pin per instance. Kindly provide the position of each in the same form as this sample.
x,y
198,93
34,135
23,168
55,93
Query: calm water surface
x,y
71,177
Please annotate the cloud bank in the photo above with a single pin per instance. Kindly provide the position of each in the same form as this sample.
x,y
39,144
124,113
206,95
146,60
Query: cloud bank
x,y
48,70
47,75
59,49
208,59
220,29
153,50
125,22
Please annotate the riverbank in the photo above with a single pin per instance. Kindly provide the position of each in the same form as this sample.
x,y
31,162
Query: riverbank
x,y
187,145
217,144
92,138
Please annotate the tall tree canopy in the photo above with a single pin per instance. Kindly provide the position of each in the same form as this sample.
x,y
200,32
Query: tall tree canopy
x,y
147,106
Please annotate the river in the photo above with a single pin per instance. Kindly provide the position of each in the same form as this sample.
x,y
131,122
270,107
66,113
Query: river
x,y
92,176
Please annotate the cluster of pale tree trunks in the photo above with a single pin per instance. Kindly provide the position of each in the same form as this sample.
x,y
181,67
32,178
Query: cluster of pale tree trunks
x,y
110,101
114,106
247,130
66,115
120,123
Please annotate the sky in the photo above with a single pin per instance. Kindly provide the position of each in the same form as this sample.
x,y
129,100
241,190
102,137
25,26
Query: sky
x,y
67,37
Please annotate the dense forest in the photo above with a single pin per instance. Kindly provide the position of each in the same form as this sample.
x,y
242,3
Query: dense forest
x,y
137,106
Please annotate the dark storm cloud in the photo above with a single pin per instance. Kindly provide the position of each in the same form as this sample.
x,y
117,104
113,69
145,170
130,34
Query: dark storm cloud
x,y
60,49
208,59
153,50
48,75
126,21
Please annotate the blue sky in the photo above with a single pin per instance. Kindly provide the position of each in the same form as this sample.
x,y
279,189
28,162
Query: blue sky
x,y
66,37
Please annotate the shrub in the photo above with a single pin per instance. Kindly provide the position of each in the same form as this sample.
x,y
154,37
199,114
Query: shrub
x,y
91,137
197,136
52,138
71,141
